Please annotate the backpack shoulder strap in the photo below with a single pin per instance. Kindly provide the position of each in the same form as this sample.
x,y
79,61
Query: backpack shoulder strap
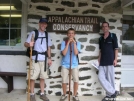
x,y
36,35
46,38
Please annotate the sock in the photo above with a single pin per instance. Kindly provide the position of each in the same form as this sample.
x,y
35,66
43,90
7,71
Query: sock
x,y
41,93
31,93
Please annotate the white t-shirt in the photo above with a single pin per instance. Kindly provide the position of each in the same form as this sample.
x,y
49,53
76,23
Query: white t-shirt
x,y
40,47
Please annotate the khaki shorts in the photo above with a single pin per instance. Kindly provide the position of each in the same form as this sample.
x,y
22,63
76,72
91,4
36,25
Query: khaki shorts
x,y
65,75
37,71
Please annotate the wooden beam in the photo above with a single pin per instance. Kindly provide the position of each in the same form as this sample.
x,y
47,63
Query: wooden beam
x,y
126,3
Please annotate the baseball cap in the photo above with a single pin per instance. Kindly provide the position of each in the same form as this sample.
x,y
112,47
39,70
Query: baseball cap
x,y
43,20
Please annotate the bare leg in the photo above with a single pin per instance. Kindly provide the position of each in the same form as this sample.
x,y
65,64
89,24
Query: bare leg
x,y
75,88
64,87
42,85
32,86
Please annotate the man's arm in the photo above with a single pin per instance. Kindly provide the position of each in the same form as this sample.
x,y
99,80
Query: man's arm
x,y
116,55
49,52
49,56
65,49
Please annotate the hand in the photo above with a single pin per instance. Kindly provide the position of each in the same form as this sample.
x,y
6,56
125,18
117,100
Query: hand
x,y
115,62
31,44
49,62
71,40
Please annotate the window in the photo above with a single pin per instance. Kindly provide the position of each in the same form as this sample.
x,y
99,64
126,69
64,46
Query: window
x,y
10,23
128,35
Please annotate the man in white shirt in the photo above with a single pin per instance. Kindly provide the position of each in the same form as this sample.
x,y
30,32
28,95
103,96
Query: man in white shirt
x,y
40,50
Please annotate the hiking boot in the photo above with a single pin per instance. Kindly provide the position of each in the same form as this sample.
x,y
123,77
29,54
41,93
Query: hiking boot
x,y
63,97
32,98
106,98
75,98
44,98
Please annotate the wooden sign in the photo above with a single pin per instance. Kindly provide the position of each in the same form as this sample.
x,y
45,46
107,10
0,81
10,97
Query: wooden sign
x,y
61,23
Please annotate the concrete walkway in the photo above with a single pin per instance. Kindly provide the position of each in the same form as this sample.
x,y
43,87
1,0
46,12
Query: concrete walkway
x,y
20,95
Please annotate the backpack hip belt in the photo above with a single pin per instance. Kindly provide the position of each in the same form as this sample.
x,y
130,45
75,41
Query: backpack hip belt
x,y
36,54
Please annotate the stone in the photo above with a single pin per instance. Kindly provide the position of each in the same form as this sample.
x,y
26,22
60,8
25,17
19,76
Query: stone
x,y
99,88
90,11
57,40
37,1
101,1
75,11
89,84
58,93
52,47
84,78
49,92
112,27
95,5
113,8
112,20
56,86
53,54
88,58
32,16
102,19
60,9
82,39
37,85
29,29
84,69
84,89
117,72
90,48
119,60
99,92
44,8
87,94
52,82
81,4
117,78
94,41
59,69
119,28
58,46
118,65
68,3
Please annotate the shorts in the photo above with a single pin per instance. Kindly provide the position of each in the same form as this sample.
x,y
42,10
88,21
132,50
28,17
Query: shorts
x,y
65,75
37,70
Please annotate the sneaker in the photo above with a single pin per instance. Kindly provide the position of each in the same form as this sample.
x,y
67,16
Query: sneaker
x,y
95,64
106,98
113,97
75,98
32,98
63,97
44,98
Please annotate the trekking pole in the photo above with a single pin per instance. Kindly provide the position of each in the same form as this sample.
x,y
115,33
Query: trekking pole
x,y
29,76
70,70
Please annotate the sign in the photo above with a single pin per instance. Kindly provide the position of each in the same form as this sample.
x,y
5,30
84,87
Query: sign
x,y
61,23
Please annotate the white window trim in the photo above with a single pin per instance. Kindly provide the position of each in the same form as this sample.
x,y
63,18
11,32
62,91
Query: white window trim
x,y
23,32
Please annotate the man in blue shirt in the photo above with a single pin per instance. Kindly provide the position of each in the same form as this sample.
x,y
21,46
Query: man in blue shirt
x,y
67,47
108,46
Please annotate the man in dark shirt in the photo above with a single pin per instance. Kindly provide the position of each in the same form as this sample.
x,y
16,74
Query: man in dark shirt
x,y
108,46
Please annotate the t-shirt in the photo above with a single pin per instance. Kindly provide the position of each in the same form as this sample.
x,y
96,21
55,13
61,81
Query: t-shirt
x,y
38,46
107,48
66,59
